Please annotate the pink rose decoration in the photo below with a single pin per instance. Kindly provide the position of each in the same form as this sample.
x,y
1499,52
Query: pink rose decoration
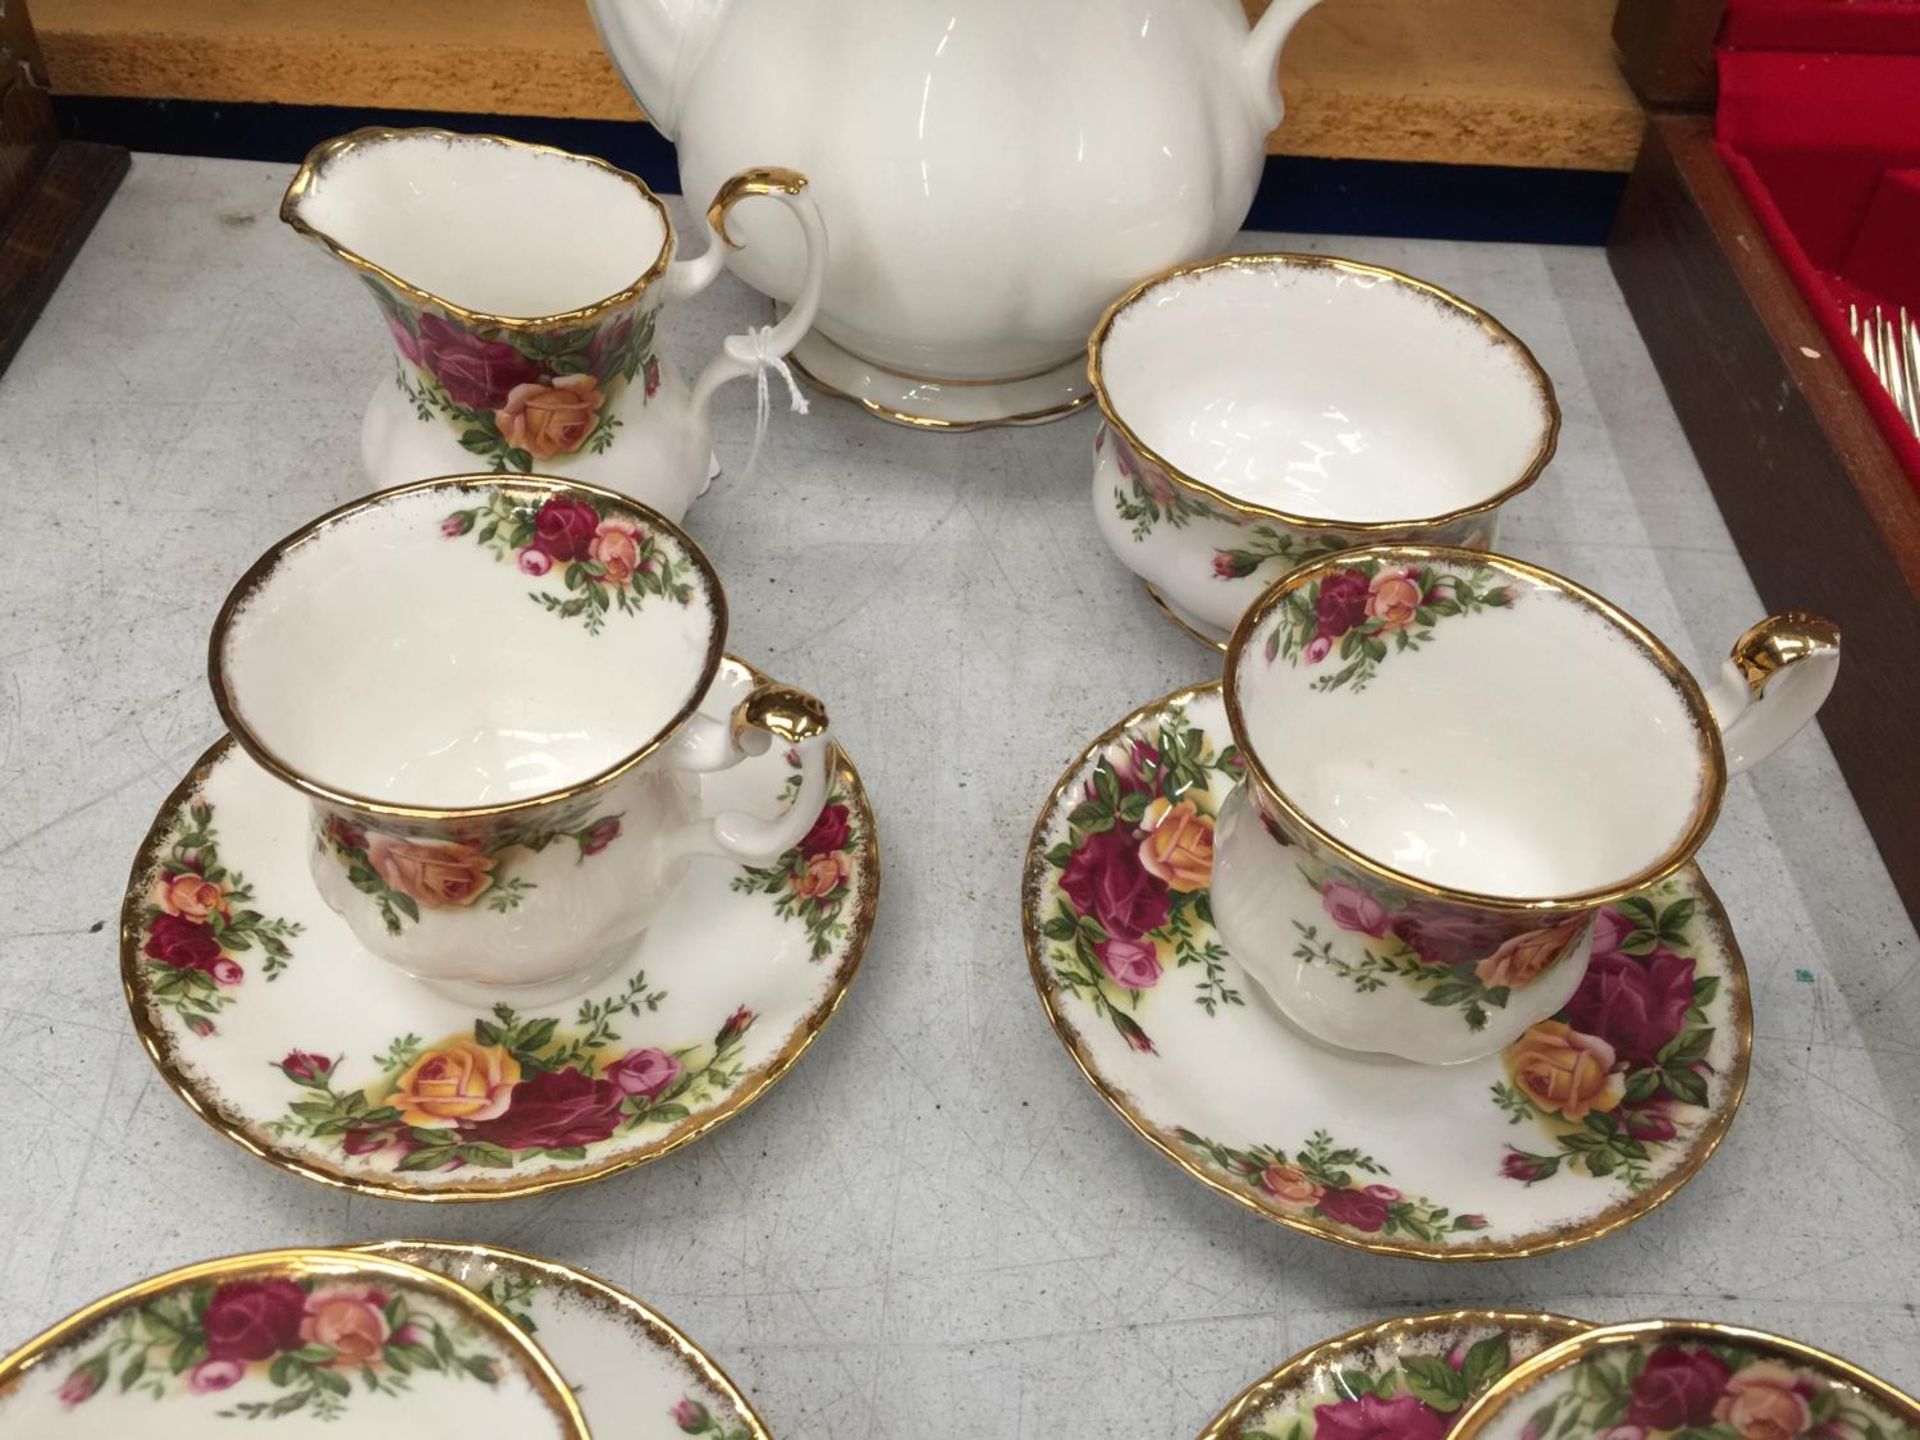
x,y
644,1072
690,1416
533,562
1385,1192
226,972
1765,1401
1131,964
1353,908
1622,1432
616,545
1317,649
456,525
211,1375
80,1387
1371,1418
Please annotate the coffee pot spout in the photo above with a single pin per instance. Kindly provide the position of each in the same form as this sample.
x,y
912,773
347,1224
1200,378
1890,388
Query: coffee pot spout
x,y
1261,56
656,44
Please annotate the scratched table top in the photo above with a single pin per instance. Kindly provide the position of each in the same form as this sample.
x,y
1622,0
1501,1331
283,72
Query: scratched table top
x,y
933,1225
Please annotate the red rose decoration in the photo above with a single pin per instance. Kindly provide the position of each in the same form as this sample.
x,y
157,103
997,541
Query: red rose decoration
x,y
1442,934
1342,603
608,341
1106,880
1371,1418
563,529
603,834
1357,1208
476,373
1634,1004
183,944
1677,1388
554,1110
254,1319
829,833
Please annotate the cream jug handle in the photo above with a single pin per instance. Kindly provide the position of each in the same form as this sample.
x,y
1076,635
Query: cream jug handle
x,y
770,712
1262,57
1779,674
743,354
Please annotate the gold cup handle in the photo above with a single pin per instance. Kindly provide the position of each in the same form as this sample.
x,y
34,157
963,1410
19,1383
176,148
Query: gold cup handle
x,y
771,713
1779,674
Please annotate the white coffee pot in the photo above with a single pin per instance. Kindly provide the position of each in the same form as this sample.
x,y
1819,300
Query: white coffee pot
x,y
993,172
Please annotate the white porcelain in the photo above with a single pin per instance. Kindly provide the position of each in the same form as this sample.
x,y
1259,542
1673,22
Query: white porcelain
x,y
1262,410
1585,1123
522,287
265,1013
317,1343
993,172
489,691
636,1375
1464,757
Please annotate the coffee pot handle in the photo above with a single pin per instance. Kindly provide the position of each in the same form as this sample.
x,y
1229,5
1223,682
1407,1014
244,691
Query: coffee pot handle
x,y
705,744
1779,674
759,349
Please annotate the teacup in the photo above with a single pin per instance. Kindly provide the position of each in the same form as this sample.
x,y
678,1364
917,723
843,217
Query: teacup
x,y
1263,410
522,288
489,690
1453,760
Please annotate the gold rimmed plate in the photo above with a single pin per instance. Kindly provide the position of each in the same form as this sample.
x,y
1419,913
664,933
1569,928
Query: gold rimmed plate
x,y
306,1339
1662,1379
1517,1154
635,1374
1410,1377
279,1030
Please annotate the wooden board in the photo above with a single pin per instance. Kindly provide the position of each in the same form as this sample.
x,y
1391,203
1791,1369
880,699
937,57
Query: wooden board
x,y
43,234
1485,82
1824,516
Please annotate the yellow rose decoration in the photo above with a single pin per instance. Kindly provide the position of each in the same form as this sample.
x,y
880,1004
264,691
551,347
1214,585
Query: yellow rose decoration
x,y
460,1082
1178,845
1563,1071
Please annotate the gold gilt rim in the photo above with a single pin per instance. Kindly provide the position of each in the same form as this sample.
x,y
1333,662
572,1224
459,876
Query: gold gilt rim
x,y
1563,1237
594,1291
1288,259
929,422
1394,1333
327,151
300,1263
261,572
1713,777
159,1044
1219,647
1524,1376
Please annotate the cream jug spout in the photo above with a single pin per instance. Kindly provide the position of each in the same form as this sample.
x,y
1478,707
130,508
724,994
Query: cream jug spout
x,y
655,45
1262,56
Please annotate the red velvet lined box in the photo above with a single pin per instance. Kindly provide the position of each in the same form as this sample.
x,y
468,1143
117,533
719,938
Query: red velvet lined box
x,y
1819,124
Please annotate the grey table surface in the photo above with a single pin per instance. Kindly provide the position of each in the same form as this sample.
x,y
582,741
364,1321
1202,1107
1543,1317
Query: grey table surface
x,y
933,1226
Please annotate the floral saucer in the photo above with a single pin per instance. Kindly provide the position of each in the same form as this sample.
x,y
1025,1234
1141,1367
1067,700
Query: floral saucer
x,y
1688,1380
1584,1124
634,1374
278,1029
1404,1379
304,1338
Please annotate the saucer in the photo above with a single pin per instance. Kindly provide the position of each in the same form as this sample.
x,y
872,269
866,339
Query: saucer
x,y
634,1374
1655,1379
1474,1161
302,1338
277,1028
927,404
1408,1377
